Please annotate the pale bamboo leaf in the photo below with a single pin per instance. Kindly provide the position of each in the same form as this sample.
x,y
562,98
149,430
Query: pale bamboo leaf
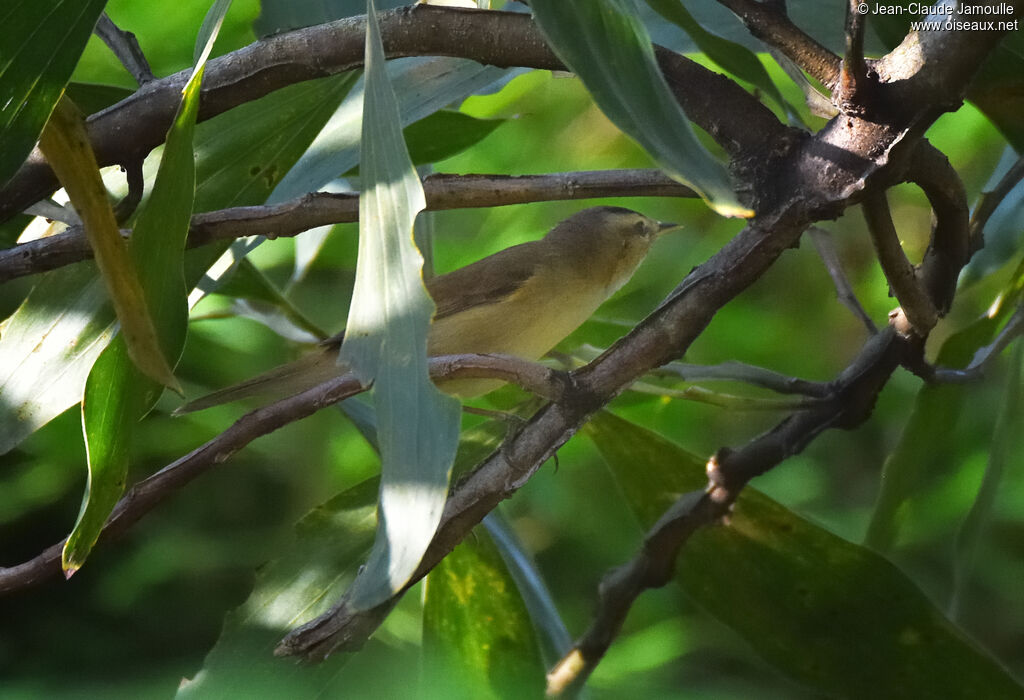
x,y
386,344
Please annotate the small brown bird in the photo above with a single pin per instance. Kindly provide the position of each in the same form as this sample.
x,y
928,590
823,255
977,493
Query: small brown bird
x,y
520,301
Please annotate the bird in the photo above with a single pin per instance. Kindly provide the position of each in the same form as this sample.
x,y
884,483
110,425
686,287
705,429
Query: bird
x,y
520,301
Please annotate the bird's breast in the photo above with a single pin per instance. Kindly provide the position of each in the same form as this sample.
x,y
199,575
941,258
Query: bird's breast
x,y
527,323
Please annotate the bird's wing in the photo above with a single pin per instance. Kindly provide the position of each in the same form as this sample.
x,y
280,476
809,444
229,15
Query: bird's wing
x,y
485,281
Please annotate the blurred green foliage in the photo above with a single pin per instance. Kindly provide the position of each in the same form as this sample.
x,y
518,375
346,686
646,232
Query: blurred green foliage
x,y
145,611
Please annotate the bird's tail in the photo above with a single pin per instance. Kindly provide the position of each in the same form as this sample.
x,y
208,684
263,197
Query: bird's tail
x,y
287,380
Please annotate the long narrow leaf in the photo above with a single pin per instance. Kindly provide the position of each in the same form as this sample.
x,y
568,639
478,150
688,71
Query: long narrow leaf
x,y
733,57
48,347
826,612
422,87
320,561
51,343
317,566
39,47
1005,443
477,635
929,438
66,144
386,344
116,395
606,45
552,634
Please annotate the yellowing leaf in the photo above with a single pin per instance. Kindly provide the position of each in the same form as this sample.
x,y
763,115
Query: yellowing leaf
x,y
66,145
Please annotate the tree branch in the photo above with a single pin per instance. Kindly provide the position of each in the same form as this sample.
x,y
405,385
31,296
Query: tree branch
x,y
918,307
134,126
949,247
825,247
126,47
443,191
774,28
816,178
807,179
855,393
149,493
924,59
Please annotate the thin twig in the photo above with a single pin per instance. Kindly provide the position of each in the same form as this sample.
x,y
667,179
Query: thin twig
x,y
825,171
748,374
919,309
726,372
731,402
650,568
126,47
851,93
825,246
152,491
443,191
984,357
817,104
775,29
134,126
730,371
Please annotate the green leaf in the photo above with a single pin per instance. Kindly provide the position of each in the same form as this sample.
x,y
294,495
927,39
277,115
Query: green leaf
x,y
828,613
733,57
317,566
65,143
208,31
824,20
51,342
248,151
47,348
117,394
1005,443
322,559
39,48
929,437
443,134
422,86
477,636
606,45
386,344
1004,231
554,638
259,299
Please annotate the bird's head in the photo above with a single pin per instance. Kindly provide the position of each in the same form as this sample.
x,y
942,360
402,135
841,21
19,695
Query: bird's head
x,y
609,241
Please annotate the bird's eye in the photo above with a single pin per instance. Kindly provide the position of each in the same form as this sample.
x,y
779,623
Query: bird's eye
x,y
641,229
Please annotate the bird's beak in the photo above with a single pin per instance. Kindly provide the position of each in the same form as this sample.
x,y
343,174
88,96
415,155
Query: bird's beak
x,y
665,227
